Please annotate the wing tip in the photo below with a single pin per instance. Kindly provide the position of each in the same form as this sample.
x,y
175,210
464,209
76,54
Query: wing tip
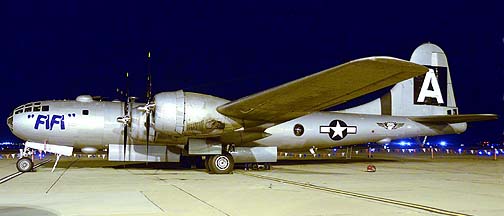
x,y
393,60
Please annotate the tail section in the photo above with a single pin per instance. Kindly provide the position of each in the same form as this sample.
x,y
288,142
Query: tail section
x,y
425,95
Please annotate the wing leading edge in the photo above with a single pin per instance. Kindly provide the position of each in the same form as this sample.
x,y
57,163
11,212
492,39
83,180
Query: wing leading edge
x,y
320,91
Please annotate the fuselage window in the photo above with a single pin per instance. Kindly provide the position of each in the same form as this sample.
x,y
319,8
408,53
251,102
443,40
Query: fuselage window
x,y
85,112
28,109
45,108
298,130
36,109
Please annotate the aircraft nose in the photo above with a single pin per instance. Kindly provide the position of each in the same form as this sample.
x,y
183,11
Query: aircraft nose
x,y
10,121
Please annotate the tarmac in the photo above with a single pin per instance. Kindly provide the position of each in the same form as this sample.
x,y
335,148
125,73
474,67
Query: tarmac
x,y
400,186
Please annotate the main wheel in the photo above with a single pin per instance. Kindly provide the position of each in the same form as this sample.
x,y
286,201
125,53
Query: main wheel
x,y
24,164
221,164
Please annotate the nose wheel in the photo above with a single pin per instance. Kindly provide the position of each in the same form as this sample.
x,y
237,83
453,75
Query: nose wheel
x,y
24,164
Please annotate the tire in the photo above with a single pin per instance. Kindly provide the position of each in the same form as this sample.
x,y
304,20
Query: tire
x,y
221,164
24,164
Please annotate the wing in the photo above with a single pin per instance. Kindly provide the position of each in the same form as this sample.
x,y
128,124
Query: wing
x,y
454,118
320,90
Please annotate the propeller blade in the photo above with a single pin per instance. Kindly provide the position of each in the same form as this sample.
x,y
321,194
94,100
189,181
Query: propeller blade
x,y
147,125
149,79
149,98
125,140
127,110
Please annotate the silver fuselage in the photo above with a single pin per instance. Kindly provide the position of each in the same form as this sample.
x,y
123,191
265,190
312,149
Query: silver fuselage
x,y
94,124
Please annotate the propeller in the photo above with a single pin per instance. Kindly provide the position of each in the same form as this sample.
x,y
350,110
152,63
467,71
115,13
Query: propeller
x,y
126,118
149,106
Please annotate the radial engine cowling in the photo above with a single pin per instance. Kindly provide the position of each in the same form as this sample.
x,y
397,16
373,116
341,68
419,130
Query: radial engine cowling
x,y
190,114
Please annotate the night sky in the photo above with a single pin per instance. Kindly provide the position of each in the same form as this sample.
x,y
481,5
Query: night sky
x,y
62,49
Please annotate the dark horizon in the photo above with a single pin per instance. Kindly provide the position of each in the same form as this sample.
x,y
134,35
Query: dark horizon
x,y
59,50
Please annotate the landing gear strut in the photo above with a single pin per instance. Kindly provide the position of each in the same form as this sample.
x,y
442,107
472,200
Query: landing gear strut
x,y
220,164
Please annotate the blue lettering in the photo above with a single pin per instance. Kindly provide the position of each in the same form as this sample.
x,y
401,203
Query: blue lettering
x,y
50,122
42,119
58,119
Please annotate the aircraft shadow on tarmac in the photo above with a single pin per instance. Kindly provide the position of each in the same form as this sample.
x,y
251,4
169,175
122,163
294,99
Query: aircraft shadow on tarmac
x,y
25,210
85,163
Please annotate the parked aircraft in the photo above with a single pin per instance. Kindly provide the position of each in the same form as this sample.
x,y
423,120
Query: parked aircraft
x,y
289,117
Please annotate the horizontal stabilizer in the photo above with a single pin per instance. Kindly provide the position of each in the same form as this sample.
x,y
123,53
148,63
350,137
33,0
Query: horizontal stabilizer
x,y
454,118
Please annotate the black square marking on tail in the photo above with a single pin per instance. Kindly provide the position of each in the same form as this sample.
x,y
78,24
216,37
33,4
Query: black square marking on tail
x,y
430,89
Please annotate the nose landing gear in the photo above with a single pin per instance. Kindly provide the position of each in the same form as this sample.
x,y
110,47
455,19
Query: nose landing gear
x,y
24,164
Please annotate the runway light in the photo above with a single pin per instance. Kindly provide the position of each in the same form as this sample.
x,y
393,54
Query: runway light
x,y
442,143
480,153
402,143
460,151
489,153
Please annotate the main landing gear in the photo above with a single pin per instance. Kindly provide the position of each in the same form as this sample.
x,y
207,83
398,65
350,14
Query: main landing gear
x,y
25,163
219,164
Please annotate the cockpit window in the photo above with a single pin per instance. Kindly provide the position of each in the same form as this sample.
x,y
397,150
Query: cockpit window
x,y
18,111
36,103
45,108
28,109
36,109
85,112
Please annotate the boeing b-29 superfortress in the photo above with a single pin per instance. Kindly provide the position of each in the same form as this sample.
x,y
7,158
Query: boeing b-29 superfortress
x,y
289,117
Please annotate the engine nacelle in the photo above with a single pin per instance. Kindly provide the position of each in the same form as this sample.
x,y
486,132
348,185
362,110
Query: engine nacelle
x,y
190,114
